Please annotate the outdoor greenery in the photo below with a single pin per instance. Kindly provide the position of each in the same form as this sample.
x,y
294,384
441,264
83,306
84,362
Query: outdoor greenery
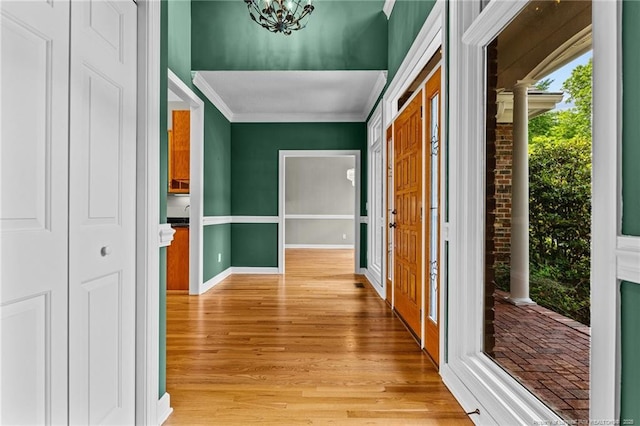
x,y
560,202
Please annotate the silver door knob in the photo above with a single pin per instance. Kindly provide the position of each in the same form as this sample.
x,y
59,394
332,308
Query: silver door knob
x,y
105,251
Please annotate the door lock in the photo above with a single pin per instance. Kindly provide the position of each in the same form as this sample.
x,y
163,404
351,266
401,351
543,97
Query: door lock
x,y
393,225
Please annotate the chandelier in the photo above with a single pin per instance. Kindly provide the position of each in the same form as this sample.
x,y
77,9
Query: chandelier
x,y
280,16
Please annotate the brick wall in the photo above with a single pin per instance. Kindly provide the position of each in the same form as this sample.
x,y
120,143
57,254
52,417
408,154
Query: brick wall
x,y
502,226
490,197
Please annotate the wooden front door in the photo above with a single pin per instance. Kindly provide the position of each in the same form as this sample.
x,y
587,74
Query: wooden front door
x,y
432,257
407,137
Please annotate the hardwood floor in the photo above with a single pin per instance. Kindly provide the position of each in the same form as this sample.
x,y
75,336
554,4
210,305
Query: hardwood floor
x,y
307,348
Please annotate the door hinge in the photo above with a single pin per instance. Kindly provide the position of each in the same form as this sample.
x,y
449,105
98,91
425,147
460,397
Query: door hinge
x,y
420,112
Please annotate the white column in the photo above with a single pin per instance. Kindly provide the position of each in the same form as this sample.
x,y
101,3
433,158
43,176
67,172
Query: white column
x,y
519,286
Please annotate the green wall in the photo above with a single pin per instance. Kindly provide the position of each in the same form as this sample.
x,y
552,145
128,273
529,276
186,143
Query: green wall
x,y
629,292
630,122
217,161
340,35
254,177
216,239
630,348
179,43
405,23
254,244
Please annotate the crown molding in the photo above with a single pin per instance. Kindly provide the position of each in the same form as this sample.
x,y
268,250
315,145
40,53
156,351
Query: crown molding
x,y
213,96
388,7
296,118
381,81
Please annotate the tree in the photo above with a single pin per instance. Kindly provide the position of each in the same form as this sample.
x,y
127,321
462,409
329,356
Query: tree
x,y
560,200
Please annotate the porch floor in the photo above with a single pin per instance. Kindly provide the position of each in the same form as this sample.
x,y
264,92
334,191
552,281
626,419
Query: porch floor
x,y
546,352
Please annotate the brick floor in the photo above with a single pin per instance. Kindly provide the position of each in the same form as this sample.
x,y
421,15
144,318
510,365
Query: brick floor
x,y
546,352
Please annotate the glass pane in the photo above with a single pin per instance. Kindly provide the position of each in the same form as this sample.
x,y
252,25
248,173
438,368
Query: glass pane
x,y
433,231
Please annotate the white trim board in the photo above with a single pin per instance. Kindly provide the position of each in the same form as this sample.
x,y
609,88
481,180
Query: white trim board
x,y
628,259
282,156
164,408
165,234
388,7
196,178
222,220
320,217
257,270
425,45
212,282
213,97
148,214
319,246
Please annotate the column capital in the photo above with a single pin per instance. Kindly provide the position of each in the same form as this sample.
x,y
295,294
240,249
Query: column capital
x,y
523,84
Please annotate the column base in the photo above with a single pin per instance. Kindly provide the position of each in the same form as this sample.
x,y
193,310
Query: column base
x,y
520,301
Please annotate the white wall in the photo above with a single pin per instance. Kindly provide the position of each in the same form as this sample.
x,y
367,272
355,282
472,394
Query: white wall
x,y
318,186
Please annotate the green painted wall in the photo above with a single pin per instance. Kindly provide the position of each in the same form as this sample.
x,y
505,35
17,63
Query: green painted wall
x,y
630,122
254,244
254,175
630,336
254,158
217,161
340,35
216,239
405,23
179,43
162,359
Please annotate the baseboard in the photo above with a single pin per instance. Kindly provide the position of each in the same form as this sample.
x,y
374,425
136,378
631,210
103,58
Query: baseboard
x,y
164,408
319,246
208,285
253,270
464,396
374,284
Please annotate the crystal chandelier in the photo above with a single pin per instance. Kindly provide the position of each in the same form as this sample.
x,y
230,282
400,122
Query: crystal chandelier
x,y
280,16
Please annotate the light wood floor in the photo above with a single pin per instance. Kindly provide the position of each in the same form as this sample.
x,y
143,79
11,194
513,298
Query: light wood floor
x,y
306,348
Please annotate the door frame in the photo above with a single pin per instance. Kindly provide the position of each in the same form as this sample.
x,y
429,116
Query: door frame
x,y
148,217
426,44
377,278
196,178
282,156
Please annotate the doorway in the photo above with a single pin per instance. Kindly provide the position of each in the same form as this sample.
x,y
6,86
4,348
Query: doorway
x,y
319,220
414,169
185,97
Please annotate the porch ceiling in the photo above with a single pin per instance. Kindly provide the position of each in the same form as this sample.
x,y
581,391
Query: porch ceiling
x,y
292,96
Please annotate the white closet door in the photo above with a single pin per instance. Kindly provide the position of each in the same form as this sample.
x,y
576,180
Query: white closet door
x,y
34,58
102,212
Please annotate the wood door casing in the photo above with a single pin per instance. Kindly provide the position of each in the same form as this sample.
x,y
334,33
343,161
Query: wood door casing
x,y
432,328
407,138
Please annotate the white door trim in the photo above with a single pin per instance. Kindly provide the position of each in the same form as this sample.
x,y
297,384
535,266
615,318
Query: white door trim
x,y
376,276
606,210
196,177
148,214
283,154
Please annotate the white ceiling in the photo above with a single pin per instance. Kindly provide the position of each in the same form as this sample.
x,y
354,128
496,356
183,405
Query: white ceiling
x,y
292,96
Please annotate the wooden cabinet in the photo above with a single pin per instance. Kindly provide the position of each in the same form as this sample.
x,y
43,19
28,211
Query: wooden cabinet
x,y
178,260
179,151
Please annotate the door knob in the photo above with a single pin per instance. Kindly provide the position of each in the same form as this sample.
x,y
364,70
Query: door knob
x,y
394,211
392,225
105,251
